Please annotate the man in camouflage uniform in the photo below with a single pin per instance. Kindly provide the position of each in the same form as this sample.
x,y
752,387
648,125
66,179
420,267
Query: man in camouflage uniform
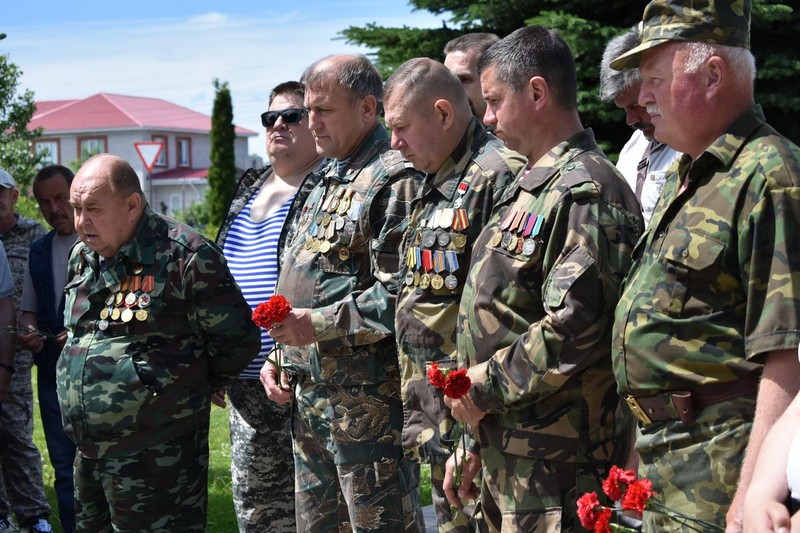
x,y
466,171
22,489
535,316
340,273
706,331
155,323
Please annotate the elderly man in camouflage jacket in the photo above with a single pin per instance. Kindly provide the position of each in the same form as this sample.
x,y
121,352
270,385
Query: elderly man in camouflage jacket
x,y
466,169
340,273
155,323
535,317
707,328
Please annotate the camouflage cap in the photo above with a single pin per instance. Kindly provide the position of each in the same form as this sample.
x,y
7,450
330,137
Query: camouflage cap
x,y
725,22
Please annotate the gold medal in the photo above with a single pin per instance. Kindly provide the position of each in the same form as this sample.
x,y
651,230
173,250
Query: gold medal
x,y
308,244
141,315
325,247
344,254
315,245
416,278
460,240
115,314
437,282
104,313
127,315
424,281
512,245
118,298
326,219
495,240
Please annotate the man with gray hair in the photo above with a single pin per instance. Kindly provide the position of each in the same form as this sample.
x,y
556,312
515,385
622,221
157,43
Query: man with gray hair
x,y
461,56
706,330
643,160
340,273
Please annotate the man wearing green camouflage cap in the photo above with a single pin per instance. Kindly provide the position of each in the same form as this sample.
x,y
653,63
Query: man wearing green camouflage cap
x,y
707,325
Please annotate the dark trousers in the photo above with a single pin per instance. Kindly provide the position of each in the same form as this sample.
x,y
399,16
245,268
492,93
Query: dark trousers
x,y
60,448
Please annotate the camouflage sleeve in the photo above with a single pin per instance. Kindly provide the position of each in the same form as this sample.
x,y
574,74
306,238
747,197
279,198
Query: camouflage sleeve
x,y
588,253
367,316
219,313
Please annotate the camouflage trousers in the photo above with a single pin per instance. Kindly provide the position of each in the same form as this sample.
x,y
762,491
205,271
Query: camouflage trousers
x,y
21,485
160,489
262,463
695,467
534,495
350,469
449,520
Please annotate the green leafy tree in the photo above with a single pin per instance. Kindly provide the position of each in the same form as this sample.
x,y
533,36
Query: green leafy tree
x,y
222,173
587,26
16,141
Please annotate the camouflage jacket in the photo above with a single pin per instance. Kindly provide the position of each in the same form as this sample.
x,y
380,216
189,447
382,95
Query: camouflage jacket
x,y
343,264
17,242
149,338
714,283
535,316
453,207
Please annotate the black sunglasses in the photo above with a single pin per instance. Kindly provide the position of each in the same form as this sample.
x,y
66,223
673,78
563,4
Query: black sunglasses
x,y
289,116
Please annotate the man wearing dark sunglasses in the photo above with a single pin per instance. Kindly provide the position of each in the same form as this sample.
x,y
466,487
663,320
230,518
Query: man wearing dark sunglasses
x,y
340,274
262,463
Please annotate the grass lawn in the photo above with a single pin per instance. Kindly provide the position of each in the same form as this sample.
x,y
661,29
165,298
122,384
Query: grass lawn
x,y
221,517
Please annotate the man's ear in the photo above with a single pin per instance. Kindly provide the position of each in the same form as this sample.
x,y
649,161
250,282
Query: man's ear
x,y
444,113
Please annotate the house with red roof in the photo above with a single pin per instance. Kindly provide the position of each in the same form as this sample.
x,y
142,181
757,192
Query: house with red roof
x,y
113,123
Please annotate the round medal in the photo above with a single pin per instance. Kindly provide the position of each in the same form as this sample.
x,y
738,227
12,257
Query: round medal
x,y
437,282
443,239
339,224
429,239
104,313
130,299
144,300
127,315
417,277
529,246
118,298
326,219
137,269
409,278
349,226
451,282
458,202
506,240
325,247
110,299
512,245
344,254
307,244
115,314
424,281
102,324
496,240
334,205
315,245
460,240
141,315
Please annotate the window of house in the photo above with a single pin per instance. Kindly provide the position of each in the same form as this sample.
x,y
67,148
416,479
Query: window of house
x,y
89,146
162,160
175,203
184,151
49,151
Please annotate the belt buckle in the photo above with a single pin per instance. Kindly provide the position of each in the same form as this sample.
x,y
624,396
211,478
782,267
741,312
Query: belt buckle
x,y
637,410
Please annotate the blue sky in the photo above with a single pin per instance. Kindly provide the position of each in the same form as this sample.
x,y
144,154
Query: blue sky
x,y
174,49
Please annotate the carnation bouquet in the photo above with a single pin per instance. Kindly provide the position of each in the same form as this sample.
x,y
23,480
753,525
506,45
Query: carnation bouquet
x,y
455,384
265,315
631,496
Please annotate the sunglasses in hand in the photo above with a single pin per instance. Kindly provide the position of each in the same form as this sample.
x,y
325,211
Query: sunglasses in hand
x,y
291,115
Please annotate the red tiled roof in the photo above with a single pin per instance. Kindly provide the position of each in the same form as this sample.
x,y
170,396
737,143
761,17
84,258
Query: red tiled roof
x,y
181,173
113,111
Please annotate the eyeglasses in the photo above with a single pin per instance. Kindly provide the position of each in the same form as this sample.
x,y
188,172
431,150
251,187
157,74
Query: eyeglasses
x,y
289,116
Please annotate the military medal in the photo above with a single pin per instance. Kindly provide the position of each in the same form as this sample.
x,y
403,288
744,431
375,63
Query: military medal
x,y
102,324
437,282
424,281
417,278
118,298
520,245
130,299
409,279
115,314
104,313
443,238
462,189
127,315
528,247
429,239
325,247
496,239
137,269
141,315
344,203
459,240
344,254
315,245
144,300
506,240
339,224
110,299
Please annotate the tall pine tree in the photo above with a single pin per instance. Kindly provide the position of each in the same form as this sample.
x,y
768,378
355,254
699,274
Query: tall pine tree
x,y
222,173
587,26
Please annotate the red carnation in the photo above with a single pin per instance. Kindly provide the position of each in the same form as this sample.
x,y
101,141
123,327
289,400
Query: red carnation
x,y
636,496
611,485
457,384
436,376
586,509
273,310
603,519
